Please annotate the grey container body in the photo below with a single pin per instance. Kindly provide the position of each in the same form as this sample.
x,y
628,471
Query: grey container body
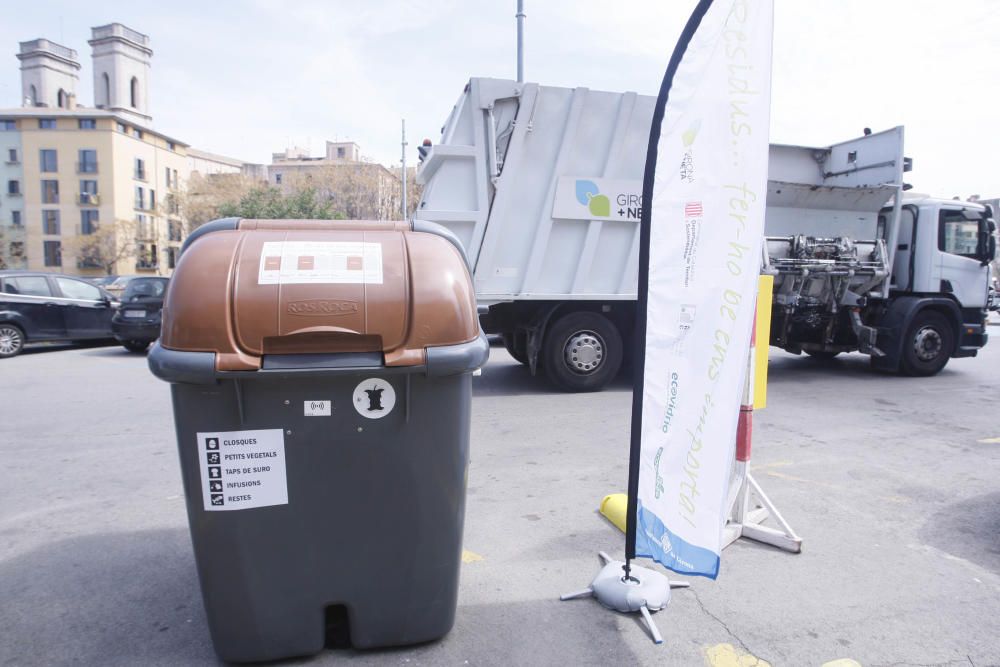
x,y
374,515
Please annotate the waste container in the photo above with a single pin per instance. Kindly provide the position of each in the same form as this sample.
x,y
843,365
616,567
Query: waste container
x,y
321,383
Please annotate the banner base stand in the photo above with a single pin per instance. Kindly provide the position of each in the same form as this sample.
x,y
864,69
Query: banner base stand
x,y
749,508
644,591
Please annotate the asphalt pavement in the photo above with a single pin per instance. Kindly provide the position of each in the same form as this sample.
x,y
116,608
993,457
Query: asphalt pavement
x,y
892,483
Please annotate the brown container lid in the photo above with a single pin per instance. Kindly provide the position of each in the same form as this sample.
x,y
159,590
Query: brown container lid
x,y
318,286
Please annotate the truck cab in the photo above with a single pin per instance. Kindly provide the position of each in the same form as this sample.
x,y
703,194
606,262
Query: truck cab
x,y
940,282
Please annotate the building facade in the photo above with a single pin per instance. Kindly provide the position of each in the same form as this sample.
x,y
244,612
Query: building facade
x,y
358,189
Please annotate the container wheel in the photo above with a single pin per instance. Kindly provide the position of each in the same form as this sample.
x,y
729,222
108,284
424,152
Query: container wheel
x,y
582,352
11,340
928,344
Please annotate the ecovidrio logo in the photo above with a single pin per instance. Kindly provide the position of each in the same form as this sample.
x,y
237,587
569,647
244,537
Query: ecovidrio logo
x,y
588,194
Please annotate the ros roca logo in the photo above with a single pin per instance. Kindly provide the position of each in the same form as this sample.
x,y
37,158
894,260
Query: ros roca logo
x,y
322,307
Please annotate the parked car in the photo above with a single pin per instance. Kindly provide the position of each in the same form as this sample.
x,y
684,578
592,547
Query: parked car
x,y
116,286
101,281
36,306
137,322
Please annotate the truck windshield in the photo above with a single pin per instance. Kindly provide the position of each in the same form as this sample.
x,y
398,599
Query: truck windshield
x,y
145,288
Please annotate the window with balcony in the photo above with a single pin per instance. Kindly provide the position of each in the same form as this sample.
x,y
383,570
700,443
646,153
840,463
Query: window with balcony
x,y
146,256
145,229
12,156
140,197
47,124
175,231
13,187
50,192
88,161
88,193
53,253
15,218
48,161
140,169
88,124
89,221
50,222
173,208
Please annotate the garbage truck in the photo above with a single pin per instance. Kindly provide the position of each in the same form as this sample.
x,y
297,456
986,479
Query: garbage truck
x,y
542,186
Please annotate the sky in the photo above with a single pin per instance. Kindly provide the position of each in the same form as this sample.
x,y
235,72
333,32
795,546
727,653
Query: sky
x,y
248,78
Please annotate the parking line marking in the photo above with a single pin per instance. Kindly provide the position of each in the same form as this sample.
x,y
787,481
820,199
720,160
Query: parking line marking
x,y
990,441
725,655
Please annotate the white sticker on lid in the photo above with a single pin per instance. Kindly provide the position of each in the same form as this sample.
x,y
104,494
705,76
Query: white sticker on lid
x,y
242,469
320,262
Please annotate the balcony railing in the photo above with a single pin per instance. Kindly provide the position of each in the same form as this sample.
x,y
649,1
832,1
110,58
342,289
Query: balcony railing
x,y
88,199
118,30
140,174
145,234
145,264
88,263
50,47
86,167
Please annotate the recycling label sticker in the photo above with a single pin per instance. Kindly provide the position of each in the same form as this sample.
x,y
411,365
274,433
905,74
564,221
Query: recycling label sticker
x,y
374,398
242,469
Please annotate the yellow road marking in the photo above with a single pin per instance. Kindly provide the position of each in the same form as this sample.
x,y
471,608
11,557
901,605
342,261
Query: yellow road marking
x,y
990,441
470,556
842,662
726,655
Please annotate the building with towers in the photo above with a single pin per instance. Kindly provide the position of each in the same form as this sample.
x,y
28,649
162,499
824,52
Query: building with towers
x,y
92,189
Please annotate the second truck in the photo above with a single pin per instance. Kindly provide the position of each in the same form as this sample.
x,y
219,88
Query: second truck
x,y
858,263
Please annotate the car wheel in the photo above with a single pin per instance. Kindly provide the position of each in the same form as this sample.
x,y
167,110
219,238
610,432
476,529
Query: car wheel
x,y
582,352
11,340
822,355
135,345
517,351
928,344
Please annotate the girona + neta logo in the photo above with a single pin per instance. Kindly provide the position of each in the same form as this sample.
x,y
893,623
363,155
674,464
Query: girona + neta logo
x,y
588,194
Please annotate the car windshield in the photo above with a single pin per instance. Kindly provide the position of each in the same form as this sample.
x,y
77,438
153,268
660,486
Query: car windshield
x,y
145,288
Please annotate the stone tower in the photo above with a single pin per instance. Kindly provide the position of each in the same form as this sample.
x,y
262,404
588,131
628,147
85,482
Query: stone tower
x,y
49,73
121,70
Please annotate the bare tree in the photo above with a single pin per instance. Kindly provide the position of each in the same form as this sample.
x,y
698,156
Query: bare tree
x,y
105,246
205,195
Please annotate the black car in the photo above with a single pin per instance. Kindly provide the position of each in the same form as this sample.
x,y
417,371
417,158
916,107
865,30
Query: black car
x,y
137,322
36,306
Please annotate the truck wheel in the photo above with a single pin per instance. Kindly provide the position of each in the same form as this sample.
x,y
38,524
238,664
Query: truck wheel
x,y
11,340
582,352
928,344
517,351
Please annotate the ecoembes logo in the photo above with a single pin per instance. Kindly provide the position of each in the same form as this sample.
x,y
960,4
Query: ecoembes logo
x,y
322,308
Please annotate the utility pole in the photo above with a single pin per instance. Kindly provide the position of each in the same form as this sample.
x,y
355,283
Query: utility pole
x,y
404,169
520,41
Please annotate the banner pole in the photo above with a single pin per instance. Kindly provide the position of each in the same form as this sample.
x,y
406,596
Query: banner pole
x,y
638,386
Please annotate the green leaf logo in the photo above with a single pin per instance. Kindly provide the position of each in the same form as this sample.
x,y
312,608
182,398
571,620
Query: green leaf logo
x,y
691,134
600,206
